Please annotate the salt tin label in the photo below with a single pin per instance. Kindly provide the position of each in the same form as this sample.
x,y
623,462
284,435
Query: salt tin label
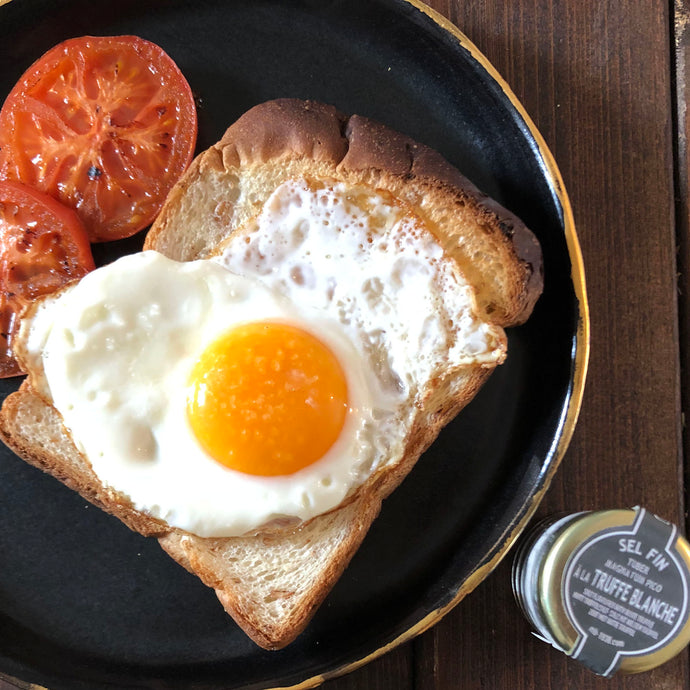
x,y
625,591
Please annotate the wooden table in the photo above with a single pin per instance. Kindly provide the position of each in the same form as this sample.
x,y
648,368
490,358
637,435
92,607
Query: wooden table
x,y
605,84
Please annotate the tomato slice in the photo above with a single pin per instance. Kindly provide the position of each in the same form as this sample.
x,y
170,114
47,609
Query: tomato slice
x,y
104,124
43,246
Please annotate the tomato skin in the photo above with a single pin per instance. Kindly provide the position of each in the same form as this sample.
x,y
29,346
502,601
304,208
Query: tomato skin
x,y
43,246
104,124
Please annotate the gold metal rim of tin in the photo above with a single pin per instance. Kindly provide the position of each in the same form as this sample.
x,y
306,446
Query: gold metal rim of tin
x,y
550,595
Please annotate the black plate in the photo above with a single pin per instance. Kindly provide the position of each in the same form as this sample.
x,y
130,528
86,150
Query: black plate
x,y
84,602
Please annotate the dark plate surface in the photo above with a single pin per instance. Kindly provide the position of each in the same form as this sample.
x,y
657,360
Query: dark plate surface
x,y
84,602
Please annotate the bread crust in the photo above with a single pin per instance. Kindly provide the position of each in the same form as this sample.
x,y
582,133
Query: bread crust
x,y
315,139
276,141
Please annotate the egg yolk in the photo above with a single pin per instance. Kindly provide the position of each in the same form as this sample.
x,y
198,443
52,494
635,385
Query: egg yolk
x,y
267,399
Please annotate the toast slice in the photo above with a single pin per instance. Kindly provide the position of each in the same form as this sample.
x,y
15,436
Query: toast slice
x,y
271,581
272,602
285,139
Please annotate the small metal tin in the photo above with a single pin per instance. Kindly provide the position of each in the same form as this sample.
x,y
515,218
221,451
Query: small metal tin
x,y
608,588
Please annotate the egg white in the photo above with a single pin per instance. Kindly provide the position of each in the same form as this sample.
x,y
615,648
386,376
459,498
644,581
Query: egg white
x,y
348,265
117,356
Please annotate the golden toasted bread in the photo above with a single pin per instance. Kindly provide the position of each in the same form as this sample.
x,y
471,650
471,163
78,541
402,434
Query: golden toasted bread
x,y
272,580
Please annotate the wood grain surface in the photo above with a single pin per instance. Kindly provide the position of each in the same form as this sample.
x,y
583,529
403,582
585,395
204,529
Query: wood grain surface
x,y
604,82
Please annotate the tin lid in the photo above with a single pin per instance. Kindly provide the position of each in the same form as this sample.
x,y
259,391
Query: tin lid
x,y
613,590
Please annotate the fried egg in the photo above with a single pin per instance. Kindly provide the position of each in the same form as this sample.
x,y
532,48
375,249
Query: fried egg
x,y
269,381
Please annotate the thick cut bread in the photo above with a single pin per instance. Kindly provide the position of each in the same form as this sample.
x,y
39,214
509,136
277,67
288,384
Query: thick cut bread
x,y
272,581
283,139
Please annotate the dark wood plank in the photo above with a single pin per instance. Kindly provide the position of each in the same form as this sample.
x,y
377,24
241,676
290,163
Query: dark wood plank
x,y
682,74
394,670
